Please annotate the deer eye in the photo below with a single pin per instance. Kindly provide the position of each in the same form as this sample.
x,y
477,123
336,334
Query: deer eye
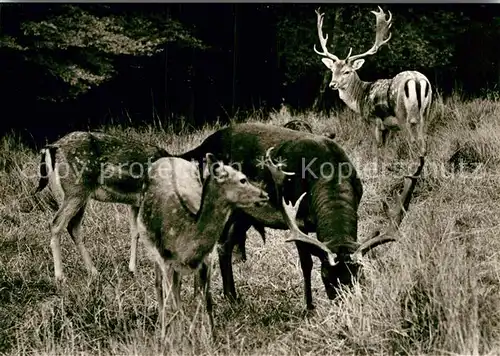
x,y
243,181
345,73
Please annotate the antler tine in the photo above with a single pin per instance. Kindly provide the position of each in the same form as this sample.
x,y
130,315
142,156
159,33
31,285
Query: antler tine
x,y
403,199
290,216
381,31
323,39
275,168
396,216
350,52
277,173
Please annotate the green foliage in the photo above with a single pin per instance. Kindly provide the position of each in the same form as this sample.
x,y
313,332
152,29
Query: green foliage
x,y
79,47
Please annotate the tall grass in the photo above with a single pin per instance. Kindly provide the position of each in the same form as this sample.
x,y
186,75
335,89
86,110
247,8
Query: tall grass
x,y
434,291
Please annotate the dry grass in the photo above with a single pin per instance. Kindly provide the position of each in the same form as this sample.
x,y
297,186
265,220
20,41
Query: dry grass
x,y
434,291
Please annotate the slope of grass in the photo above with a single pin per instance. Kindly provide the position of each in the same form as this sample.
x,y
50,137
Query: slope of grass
x,y
434,291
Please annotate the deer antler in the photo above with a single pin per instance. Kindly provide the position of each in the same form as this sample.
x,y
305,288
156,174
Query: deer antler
x,y
275,168
290,215
290,211
323,39
277,173
381,30
395,216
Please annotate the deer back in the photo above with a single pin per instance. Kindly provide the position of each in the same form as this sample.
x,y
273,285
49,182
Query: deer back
x,y
315,160
105,165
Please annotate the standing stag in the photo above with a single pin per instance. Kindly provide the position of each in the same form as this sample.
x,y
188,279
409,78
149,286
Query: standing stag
x,y
181,219
400,103
322,170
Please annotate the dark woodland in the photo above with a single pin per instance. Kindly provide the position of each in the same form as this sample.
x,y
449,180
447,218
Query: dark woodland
x,y
67,67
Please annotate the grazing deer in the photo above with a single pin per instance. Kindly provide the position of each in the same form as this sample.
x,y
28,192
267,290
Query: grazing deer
x,y
179,240
91,165
322,169
299,125
400,103
395,218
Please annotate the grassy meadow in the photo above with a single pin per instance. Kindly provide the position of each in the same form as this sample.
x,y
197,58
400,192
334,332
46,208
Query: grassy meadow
x,y
433,291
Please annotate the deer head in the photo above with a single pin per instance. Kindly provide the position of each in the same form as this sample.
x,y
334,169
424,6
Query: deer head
x,y
344,70
340,269
234,185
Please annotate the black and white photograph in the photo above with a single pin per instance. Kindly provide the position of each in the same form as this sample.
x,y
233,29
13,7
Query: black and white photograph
x,y
249,178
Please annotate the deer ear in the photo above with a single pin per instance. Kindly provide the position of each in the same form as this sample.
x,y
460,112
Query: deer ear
x,y
213,167
358,63
209,161
327,62
210,158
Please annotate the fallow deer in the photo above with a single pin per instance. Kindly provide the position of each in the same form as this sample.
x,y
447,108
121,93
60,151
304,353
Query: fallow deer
x,y
395,217
400,103
91,165
180,242
299,125
322,169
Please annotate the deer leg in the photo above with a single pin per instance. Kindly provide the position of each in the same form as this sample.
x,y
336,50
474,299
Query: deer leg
x,y
160,279
159,289
134,237
205,276
379,126
74,227
239,232
240,238
421,139
67,211
306,264
385,137
176,289
234,233
196,285
225,252
379,142
382,135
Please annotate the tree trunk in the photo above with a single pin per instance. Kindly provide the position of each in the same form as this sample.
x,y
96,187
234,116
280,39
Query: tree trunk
x,y
165,96
192,85
235,57
498,71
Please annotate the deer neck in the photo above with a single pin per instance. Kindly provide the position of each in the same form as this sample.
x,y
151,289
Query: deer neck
x,y
337,217
352,95
212,216
198,237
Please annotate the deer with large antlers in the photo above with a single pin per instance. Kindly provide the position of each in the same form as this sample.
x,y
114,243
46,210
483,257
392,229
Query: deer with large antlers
x,y
400,103
321,169
346,266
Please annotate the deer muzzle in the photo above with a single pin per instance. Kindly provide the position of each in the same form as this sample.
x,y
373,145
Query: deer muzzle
x,y
264,198
334,85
